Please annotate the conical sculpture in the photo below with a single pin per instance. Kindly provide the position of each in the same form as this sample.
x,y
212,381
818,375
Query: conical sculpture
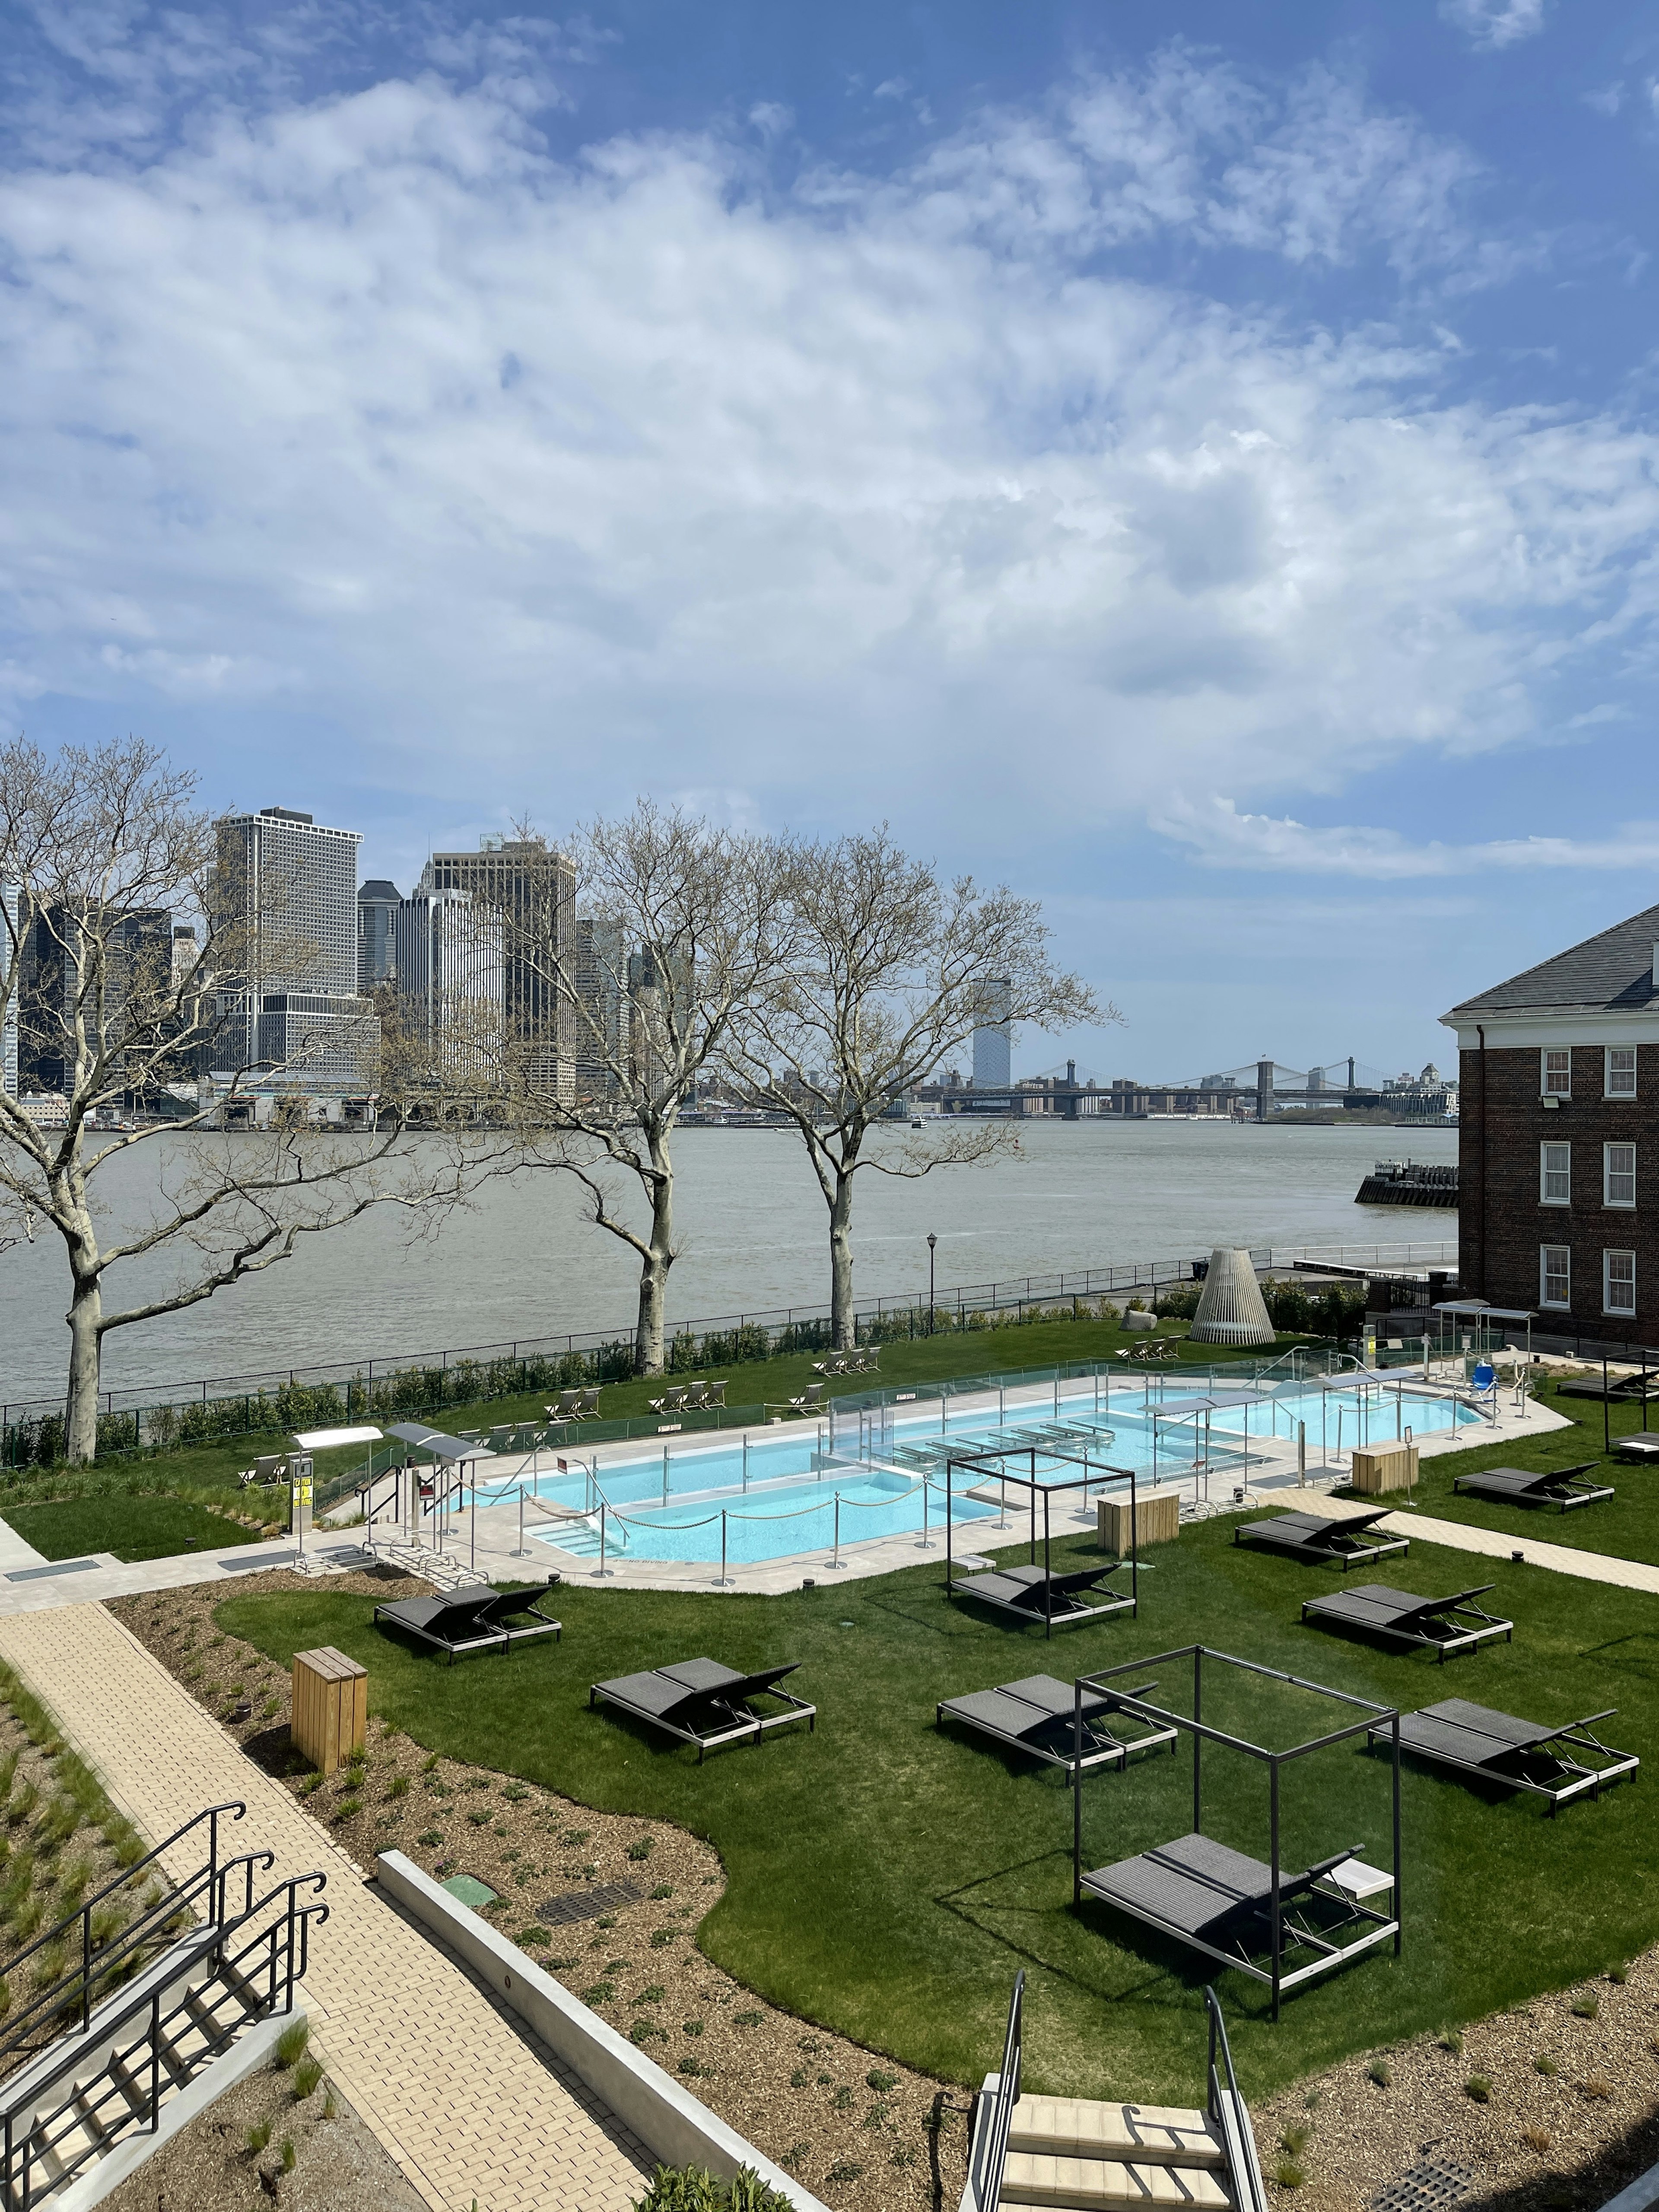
x,y
1231,1310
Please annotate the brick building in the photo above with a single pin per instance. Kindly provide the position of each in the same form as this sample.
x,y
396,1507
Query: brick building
x,y
1559,1148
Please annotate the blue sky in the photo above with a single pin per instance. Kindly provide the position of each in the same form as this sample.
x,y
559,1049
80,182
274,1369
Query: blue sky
x,y
1197,463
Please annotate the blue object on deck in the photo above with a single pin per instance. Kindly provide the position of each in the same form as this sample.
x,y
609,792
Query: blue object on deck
x,y
1484,1376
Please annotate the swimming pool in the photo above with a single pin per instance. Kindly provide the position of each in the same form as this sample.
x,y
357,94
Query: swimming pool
x,y
775,1497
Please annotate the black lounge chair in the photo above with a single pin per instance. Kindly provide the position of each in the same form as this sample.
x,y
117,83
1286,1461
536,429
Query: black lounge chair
x,y
1219,1902
1038,1593
1517,1755
1326,1543
1443,1624
1563,1488
1038,1715
1636,1450
473,1620
704,1703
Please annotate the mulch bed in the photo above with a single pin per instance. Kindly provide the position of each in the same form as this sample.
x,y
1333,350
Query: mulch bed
x,y
1570,2113
856,2127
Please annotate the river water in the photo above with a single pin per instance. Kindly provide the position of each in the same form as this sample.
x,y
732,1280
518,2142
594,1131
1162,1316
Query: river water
x,y
522,1263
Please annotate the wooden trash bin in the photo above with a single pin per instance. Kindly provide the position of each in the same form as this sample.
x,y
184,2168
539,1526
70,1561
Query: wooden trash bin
x,y
1389,1467
1158,1519
331,1707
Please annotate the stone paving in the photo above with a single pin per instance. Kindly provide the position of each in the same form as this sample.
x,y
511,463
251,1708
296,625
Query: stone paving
x,y
1495,1544
460,2103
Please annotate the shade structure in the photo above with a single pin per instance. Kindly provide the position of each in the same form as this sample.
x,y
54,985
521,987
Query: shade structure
x,y
1231,1310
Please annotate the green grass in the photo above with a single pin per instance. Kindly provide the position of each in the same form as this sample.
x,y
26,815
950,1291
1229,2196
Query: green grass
x,y
131,1527
887,1880
1626,1526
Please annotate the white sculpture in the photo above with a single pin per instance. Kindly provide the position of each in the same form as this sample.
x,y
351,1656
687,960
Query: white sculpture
x,y
1231,1310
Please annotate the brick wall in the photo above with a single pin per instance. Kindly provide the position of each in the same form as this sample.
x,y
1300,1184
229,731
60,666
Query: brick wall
x,y
1502,1221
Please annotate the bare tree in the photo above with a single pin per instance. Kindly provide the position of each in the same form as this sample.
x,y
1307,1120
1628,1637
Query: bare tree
x,y
890,971
103,854
638,945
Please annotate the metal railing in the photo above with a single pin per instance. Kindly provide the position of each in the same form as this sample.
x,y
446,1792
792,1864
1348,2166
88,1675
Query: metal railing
x,y
1231,2119
993,2116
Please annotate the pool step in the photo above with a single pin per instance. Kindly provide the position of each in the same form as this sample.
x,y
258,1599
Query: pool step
x,y
1080,2154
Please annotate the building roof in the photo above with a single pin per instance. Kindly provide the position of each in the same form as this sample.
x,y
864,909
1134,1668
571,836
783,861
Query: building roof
x,y
1613,971
377,890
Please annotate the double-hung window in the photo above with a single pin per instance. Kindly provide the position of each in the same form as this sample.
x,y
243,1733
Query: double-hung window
x,y
1618,1175
1620,1080
1554,1275
1619,1282
1555,1080
1555,1174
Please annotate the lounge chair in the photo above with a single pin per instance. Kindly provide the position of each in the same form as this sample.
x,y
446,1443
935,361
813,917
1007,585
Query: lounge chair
x,y
1325,1543
1219,1902
1517,1755
810,1398
587,1405
672,1400
697,1397
266,1471
565,1410
1638,1451
1562,1487
704,1703
714,1395
1036,1594
1037,1716
1443,1624
473,1620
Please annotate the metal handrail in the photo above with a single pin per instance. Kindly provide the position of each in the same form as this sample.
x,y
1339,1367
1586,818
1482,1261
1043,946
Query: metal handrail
x,y
993,2119
80,1979
1226,2108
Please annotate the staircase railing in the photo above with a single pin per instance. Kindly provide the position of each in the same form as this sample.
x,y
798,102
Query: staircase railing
x,y
104,1963
1227,2110
254,1977
993,2116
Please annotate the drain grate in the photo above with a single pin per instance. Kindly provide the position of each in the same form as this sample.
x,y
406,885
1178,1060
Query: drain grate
x,y
1436,2181
586,1904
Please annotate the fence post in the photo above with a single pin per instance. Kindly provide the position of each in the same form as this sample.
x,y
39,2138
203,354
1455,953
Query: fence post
x,y
603,1569
723,1575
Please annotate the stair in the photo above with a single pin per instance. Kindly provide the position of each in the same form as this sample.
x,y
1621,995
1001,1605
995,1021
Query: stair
x,y
1078,2155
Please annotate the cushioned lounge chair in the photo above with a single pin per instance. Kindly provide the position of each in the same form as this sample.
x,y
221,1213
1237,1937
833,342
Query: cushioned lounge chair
x,y
701,1702
1058,1601
1512,1753
1343,1543
1564,1487
473,1620
1443,1624
1638,1451
1037,1715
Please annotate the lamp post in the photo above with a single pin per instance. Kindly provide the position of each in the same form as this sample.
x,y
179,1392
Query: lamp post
x,y
932,1241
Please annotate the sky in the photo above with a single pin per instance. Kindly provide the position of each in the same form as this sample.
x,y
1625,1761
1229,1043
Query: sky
x,y
1197,463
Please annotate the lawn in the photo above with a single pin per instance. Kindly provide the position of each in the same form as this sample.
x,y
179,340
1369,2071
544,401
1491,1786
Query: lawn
x,y
887,1880
131,1527
1627,1526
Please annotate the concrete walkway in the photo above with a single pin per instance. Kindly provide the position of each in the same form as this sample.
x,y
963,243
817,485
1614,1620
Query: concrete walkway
x,y
457,2099
1493,1543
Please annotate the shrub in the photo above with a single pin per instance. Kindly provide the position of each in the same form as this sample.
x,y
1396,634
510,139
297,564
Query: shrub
x,y
1587,2006
1619,1973
746,2019
257,2137
799,2078
291,2044
880,2082
307,2074
842,2099
398,1786
663,1889
1450,2039
641,1847
290,2157
1479,2086
1544,2065
1598,2088
598,1993
533,1935
694,2189
647,2030
1287,2174
1294,2142
1380,2072
1538,2139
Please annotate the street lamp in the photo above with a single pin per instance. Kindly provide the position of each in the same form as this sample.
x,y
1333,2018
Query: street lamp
x,y
932,1241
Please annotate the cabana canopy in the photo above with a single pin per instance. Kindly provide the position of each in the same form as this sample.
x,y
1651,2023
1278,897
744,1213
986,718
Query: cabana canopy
x,y
1030,1592
1247,1913
435,1442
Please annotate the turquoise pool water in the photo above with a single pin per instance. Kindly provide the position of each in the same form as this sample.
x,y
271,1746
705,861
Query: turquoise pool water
x,y
778,1494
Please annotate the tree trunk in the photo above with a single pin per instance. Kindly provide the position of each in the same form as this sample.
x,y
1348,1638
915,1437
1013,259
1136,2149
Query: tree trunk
x,y
86,1344
843,1325
654,1266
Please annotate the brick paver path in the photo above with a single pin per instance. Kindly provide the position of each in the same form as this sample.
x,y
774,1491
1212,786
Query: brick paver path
x,y
458,2100
1495,1543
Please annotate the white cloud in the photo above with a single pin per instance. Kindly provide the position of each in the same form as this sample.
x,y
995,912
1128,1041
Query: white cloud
x,y
883,496
1494,24
1218,836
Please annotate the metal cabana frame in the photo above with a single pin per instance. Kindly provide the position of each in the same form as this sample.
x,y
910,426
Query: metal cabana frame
x,y
992,1465
1247,1895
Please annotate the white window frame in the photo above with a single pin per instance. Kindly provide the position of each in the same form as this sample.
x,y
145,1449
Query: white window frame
x,y
1554,1083
1561,1170
1565,1253
1627,1205
1625,1312
1621,1089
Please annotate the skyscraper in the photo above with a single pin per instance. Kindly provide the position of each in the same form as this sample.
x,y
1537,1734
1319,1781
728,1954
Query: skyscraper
x,y
451,970
377,929
285,893
11,962
994,1044
533,889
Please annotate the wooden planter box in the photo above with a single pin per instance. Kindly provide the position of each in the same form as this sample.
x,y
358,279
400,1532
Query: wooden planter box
x,y
1392,1467
1158,1520
331,1707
